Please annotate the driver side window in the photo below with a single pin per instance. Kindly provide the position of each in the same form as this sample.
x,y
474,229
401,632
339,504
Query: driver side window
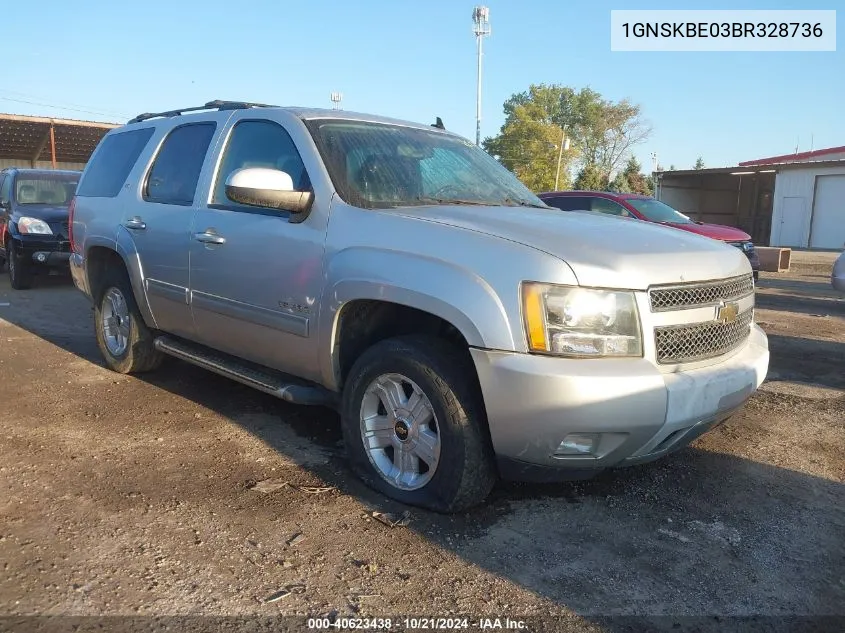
x,y
604,205
259,144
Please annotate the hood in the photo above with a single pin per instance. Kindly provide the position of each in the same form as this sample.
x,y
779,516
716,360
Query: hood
x,y
47,212
714,231
601,251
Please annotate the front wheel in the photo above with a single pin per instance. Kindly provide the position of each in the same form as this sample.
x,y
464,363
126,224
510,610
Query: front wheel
x,y
127,344
20,273
413,424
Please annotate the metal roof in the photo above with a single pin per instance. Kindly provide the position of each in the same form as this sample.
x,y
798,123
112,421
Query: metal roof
x,y
790,158
42,138
756,169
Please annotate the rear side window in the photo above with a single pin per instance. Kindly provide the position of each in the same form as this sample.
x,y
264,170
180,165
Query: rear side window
x,y
569,203
112,163
5,187
176,170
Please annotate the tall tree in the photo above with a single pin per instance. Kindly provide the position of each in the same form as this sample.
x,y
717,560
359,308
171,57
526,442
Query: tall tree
x,y
602,132
699,163
632,180
529,145
590,178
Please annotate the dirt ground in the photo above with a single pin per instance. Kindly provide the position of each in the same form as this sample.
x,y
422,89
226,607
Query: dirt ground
x,y
134,497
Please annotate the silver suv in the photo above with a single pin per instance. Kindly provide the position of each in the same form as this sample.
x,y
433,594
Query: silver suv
x,y
464,330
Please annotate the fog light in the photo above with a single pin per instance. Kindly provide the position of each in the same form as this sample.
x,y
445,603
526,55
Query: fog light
x,y
41,257
578,444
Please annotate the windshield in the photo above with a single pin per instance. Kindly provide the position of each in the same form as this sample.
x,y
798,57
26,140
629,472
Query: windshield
x,y
53,189
656,211
379,166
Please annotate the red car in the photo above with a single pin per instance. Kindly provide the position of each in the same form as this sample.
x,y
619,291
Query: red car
x,y
632,205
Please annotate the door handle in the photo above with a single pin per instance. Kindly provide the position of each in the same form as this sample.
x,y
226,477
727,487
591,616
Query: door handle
x,y
135,223
209,237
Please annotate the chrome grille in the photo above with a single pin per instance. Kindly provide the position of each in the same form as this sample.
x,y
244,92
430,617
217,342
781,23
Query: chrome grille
x,y
698,341
700,294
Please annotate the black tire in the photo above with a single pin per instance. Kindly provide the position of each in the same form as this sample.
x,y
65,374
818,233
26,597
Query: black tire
x,y
20,273
466,472
140,354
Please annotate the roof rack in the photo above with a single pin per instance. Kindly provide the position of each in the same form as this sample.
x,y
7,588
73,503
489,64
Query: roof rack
x,y
217,104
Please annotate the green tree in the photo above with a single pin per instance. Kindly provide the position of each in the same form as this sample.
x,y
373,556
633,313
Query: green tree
x,y
529,145
699,163
602,132
632,180
591,178
672,167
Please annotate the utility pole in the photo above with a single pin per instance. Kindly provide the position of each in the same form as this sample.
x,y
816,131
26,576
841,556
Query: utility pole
x,y
564,145
481,28
336,98
654,174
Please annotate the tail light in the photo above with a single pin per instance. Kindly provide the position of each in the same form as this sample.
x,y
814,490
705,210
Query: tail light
x,y
70,211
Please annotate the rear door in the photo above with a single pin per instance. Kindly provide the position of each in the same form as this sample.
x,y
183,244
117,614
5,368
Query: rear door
x,y
158,218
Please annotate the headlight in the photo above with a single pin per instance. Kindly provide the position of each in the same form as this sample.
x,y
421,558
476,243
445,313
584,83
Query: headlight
x,y
573,321
33,226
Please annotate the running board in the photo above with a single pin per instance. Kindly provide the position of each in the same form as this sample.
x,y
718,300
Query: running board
x,y
283,386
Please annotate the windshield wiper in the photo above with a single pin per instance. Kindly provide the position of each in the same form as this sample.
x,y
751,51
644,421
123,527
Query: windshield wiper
x,y
525,203
456,201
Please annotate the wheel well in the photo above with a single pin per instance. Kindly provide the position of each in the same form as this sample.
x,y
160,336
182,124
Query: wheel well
x,y
363,323
99,260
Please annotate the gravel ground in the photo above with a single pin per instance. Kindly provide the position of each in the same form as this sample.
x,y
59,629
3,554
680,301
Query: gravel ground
x,y
135,497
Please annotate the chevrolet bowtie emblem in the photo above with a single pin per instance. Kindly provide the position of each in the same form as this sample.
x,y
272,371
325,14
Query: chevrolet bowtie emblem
x,y
727,312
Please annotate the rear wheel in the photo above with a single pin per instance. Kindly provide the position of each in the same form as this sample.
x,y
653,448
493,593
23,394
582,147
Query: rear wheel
x,y
125,341
20,272
413,424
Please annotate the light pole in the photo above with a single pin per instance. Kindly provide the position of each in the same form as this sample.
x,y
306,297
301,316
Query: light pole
x,y
654,174
481,28
564,145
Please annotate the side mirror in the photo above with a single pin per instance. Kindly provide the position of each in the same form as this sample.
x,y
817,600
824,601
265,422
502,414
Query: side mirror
x,y
5,205
268,188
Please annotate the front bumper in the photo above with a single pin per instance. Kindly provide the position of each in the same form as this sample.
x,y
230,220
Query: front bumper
x,y
636,412
38,251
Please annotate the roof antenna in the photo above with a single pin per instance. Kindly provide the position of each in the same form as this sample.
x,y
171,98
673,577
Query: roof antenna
x,y
439,124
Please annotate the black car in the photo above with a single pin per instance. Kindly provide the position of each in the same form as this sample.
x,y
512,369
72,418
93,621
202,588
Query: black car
x,y
34,221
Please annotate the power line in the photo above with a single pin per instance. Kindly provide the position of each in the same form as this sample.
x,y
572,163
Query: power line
x,y
63,107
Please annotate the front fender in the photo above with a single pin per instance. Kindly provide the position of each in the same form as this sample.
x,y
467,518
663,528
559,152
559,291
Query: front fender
x,y
441,288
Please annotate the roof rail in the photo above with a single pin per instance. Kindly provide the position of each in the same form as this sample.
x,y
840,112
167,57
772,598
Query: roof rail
x,y
217,104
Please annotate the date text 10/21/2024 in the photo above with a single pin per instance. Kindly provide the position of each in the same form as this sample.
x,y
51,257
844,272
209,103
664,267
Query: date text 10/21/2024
x,y
417,623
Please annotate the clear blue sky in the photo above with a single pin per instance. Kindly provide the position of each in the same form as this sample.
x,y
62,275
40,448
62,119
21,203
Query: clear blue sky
x,y
416,60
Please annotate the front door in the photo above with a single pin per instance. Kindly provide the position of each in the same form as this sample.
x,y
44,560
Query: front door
x,y
256,276
159,224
